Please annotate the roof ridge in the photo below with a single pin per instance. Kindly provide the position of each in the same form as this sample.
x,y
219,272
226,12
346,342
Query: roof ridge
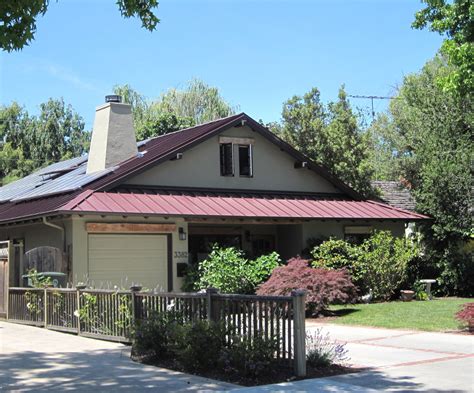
x,y
190,128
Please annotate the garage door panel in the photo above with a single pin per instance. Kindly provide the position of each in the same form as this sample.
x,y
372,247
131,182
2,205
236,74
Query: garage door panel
x,y
125,258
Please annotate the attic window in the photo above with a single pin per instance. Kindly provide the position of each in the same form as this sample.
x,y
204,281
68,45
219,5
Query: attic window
x,y
227,159
245,160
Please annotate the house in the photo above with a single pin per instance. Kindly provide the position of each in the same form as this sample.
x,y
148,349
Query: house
x,y
396,194
143,211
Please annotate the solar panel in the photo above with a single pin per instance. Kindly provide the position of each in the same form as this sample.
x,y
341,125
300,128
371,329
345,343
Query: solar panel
x,y
37,179
71,181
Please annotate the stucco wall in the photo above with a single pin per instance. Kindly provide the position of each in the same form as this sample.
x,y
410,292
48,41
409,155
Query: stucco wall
x,y
273,169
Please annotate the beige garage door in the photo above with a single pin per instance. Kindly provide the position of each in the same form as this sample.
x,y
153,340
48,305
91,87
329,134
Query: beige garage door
x,y
124,259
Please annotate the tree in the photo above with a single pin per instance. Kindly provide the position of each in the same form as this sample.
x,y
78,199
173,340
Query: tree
x,y
31,142
432,138
455,20
174,109
330,136
198,101
148,120
19,17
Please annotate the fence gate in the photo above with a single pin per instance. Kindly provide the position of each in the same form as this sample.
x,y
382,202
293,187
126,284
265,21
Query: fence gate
x,y
4,247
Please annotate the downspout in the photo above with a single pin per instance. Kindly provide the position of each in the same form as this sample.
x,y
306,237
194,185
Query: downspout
x,y
60,228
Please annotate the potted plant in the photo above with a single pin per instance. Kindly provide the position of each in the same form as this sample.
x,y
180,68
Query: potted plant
x,y
407,295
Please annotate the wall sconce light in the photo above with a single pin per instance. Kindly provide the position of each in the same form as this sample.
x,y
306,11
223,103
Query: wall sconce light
x,y
182,234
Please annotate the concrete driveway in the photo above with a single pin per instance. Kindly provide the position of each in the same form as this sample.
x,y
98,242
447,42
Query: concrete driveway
x,y
406,360
34,359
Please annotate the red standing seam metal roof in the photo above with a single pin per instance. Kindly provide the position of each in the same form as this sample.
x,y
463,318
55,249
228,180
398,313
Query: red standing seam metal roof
x,y
226,207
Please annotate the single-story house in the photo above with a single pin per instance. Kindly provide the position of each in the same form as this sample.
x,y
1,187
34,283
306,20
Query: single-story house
x,y
143,211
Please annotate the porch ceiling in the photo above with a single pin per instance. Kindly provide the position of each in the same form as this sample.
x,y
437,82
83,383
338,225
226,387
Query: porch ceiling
x,y
239,207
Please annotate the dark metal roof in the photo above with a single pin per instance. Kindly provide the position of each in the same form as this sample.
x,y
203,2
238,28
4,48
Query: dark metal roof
x,y
395,194
152,152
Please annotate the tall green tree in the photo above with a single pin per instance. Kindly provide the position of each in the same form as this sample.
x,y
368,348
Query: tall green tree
x,y
174,109
330,135
197,101
31,142
430,132
18,19
455,20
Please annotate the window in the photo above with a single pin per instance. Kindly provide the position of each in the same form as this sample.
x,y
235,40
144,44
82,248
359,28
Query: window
x,y
245,160
357,234
227,159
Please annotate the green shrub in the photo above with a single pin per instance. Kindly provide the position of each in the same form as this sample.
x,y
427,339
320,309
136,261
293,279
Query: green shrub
x,y
154,338
383,263
249,357
197,345
321,351
338,254
229,271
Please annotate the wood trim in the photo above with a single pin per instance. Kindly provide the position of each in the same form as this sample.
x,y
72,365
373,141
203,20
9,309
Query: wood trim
x,y
170,262
245,221
100,227
236,140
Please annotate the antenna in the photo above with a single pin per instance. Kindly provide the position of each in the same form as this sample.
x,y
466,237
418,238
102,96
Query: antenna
x,y
372,98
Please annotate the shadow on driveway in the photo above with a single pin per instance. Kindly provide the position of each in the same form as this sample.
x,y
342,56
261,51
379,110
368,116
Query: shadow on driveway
x,y
99,370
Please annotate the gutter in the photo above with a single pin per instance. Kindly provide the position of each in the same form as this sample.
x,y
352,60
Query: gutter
x,y
58,227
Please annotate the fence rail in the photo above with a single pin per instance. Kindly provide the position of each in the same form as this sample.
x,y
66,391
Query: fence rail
x,y
110,315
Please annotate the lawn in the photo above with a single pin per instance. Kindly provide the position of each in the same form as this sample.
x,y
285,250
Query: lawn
x,y
434,315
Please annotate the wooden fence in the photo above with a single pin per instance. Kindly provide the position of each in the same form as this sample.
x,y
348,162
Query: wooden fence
x,y
110,315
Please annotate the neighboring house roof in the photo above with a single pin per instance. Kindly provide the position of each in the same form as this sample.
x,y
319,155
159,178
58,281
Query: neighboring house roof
x,y
395,194
59,186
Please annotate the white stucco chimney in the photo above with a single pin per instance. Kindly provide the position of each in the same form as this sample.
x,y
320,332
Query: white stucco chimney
x,y
113,135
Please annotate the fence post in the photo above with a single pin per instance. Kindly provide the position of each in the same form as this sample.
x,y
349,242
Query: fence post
x,y
134,289
210,308
299,331
45,307
78,301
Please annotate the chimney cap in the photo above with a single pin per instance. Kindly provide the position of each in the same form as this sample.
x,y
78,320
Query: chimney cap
x,y
113,98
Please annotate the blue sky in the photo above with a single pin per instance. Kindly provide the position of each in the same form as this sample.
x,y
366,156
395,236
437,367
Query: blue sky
x,y
258,53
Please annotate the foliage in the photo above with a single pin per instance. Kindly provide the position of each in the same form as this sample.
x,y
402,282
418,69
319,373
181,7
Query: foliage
x,y
455,20
249,357
330,136
466,314
18,19
196,345
197,101
321,351
38,280
175,109
202,345
383,263
31,142
380,263
338,254
420,292
435,315
323,286
153,337
229,271
430,131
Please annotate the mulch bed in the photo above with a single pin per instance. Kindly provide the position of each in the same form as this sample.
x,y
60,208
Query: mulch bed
x,y
277,374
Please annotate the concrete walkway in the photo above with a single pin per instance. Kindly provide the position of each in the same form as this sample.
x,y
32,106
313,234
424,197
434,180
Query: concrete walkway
x,y
34,359
396,361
